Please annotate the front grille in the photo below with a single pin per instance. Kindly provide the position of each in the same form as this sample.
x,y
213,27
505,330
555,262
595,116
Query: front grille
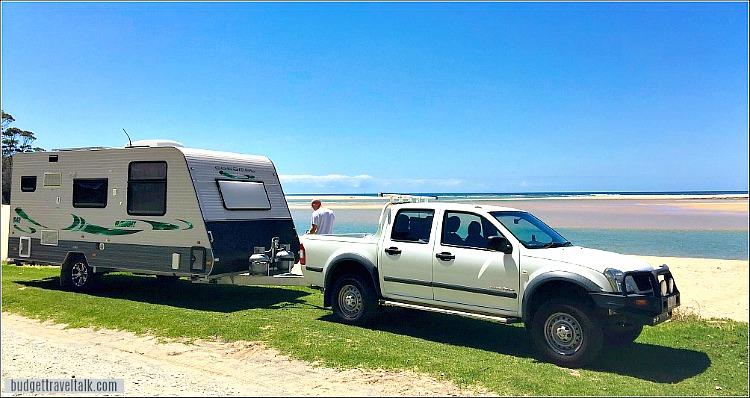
x,y
643,281
650,283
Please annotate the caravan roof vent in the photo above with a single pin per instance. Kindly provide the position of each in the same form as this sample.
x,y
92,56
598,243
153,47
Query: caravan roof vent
x,y
152,143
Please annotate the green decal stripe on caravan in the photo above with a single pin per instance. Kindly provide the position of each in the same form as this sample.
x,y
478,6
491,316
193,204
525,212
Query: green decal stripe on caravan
x,y
161,226
188,224
30,231
76,222
26,217
79,224
97,230
243,177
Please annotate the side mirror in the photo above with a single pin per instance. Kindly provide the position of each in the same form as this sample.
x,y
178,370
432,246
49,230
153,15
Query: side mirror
x,y
500,244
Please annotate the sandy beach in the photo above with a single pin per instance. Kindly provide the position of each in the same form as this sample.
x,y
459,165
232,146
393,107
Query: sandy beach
x,y
34,349
654,212
709,288
697,212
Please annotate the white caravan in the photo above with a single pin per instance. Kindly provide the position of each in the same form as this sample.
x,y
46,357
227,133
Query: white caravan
x,y
152,207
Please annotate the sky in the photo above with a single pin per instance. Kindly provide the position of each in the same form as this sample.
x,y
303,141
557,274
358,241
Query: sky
x,y
409,97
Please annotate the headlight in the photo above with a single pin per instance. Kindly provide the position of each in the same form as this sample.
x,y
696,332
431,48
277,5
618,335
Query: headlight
x,y
615,277
619,282
630,286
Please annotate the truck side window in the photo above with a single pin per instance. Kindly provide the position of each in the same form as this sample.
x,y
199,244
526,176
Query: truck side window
x,y
413,226
467,230
90,192
147,188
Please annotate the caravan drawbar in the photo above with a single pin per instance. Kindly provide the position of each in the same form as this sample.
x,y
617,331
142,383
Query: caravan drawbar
x,y
153,207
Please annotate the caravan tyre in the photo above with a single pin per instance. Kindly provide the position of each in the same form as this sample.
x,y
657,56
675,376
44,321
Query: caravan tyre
x,y
78,274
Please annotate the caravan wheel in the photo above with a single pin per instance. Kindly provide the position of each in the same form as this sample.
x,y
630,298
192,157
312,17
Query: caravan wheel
x,y
77,274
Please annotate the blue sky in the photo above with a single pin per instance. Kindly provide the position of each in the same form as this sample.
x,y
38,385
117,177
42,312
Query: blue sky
x,y
399,97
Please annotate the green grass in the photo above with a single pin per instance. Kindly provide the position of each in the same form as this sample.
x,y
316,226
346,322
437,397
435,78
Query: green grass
x,y
689,357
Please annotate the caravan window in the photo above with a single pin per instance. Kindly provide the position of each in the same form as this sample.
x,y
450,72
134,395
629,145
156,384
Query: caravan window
x,y
28,183
244,195
147,188
90,192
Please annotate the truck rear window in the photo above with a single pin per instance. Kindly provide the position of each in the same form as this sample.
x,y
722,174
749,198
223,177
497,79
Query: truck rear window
x,y
413,226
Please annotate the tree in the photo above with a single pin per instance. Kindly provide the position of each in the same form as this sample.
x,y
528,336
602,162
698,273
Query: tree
x,y
14,140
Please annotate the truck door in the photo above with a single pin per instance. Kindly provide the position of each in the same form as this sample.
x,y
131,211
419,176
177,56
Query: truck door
x,y
405,258
468,275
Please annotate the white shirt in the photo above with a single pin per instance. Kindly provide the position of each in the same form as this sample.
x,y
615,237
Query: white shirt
x,y
323,218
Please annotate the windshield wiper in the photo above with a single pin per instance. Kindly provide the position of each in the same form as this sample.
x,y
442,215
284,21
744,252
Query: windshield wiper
x,y
557,244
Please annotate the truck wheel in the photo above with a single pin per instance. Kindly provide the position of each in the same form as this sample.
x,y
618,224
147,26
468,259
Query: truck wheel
x,y
353,300
566,333
77,274
620,334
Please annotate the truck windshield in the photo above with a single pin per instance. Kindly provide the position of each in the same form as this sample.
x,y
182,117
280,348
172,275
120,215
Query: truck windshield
x,y
531,231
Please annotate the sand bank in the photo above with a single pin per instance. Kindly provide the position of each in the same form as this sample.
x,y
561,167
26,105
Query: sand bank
x,y
724,202
729,205
660,212
709,288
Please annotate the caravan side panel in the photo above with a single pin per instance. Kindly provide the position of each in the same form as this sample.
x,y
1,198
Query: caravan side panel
x,y
48,223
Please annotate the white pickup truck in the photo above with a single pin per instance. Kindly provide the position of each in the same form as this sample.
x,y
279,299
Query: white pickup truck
x,y
495,263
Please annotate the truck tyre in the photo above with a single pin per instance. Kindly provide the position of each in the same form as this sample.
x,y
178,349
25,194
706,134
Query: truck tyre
x,y
621,334
354,300
77,275
567,333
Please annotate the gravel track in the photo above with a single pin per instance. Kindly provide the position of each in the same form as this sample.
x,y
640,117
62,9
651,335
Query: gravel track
x,y
32,349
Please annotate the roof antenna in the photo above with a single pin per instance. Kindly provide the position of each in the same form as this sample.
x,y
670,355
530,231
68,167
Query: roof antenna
x,y
130,143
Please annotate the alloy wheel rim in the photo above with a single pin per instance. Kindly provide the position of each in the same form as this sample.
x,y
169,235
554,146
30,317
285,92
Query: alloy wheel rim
x,y
79,274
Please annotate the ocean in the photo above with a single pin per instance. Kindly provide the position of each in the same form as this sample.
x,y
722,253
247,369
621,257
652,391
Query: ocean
x,y
646,227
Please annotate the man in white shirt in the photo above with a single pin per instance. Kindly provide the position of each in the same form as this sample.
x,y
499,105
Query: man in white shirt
x,y
322,219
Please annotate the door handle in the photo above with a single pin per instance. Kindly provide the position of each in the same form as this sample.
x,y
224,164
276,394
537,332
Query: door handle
x,y
445,256
393,250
